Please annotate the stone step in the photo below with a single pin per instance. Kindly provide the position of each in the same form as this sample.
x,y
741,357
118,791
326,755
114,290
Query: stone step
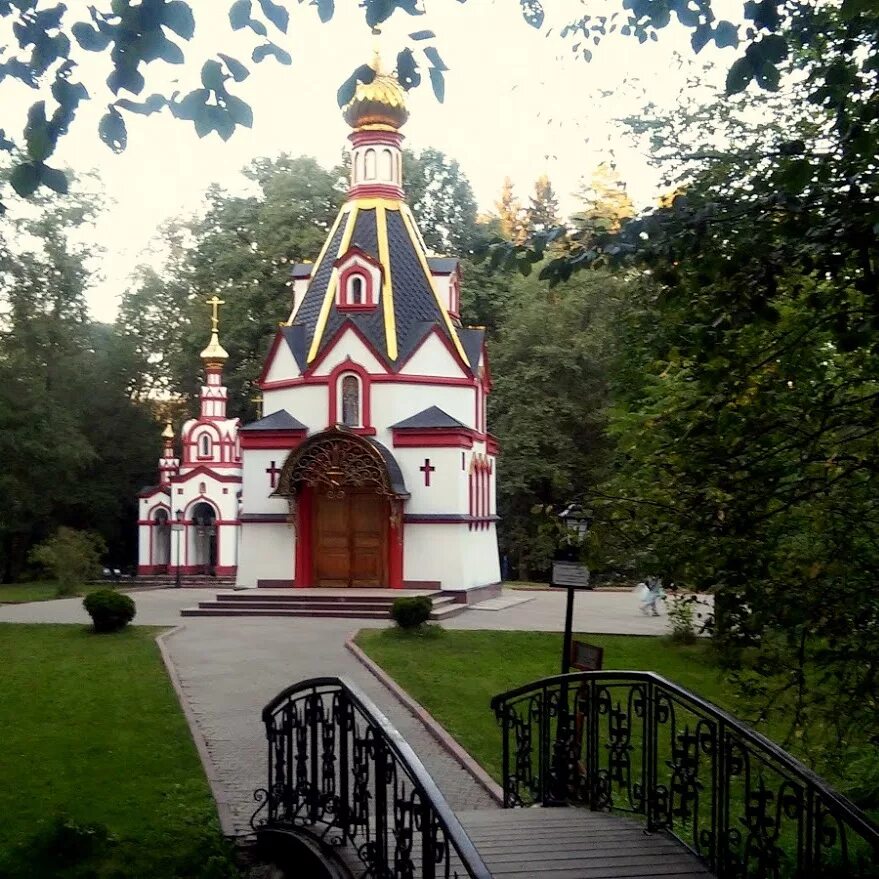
x,y
256,604
294,597
447,612
236,611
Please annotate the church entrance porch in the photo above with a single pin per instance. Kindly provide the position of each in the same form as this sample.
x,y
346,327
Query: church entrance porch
x,y
345,494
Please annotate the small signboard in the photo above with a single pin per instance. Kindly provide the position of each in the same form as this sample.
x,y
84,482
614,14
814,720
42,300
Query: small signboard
x,y
570,575
586,657
176,526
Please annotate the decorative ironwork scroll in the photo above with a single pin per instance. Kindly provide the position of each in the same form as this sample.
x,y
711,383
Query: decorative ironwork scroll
x,y
634,742
333,462
338,771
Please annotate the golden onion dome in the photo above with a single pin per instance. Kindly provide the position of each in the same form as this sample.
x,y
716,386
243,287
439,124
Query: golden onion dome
x,y
380,102
215,353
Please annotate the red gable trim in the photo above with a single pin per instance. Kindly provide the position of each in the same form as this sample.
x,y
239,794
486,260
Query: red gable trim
x,y
432,437
201,470
492,445
354,250
334,339
156,489
273,439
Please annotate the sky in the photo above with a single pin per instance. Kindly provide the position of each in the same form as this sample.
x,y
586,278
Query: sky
x,y
517,103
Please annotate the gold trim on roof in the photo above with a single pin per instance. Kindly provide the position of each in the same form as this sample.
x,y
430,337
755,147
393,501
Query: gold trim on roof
x,y
409,222
384,257
380,102
327,304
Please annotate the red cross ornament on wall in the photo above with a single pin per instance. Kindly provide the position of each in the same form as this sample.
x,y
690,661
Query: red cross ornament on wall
x,y
273,472
427,469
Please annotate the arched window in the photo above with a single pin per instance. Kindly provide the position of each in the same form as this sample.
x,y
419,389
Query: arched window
x,y
370,164
204,446
355,290
358,167
387,165
351,401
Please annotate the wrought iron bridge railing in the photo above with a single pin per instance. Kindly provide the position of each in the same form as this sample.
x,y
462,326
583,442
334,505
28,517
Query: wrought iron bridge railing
x,y
339,772
635,742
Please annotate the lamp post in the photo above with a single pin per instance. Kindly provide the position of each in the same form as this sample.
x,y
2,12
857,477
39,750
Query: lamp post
x,y
178,527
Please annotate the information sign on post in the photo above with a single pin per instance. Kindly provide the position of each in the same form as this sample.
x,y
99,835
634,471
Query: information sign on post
x,y
571,576
586,657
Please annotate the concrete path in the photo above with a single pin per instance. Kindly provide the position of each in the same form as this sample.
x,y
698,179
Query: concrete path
x,y
229,668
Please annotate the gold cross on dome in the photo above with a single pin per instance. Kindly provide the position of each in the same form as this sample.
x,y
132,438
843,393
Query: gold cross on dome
x,y
215,303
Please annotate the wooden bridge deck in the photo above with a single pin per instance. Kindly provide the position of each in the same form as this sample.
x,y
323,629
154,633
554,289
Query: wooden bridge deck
x,y
560,844
574,844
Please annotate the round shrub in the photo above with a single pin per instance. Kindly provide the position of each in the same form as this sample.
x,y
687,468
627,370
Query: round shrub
x,y
109,610
410,613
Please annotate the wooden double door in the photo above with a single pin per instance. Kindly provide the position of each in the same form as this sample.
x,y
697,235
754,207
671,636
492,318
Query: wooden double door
x,y
350,539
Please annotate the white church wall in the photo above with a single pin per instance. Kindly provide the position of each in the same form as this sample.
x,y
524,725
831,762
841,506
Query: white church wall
x,y
433,358
283,365
308,403
257,486
479,552
392,403
433,553
442,284
267,551
443,495
227,545
349,347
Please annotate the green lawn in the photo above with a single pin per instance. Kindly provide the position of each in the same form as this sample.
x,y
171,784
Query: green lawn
x,y
39,590
454,674
91,729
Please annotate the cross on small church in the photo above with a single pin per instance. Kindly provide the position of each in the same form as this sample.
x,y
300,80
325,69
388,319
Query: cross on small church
x,y
258,400
427,469
215,302
273,472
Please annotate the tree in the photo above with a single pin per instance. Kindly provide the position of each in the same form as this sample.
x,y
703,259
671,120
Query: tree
x,y
606,204
72,557
442,200
549,405
542,213
243,248
135,36
510,214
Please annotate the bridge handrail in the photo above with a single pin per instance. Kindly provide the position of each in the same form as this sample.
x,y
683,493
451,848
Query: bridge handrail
x,y
328,706
663,747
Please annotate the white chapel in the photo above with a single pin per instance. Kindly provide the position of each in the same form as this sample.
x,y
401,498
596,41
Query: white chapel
x,y
373,466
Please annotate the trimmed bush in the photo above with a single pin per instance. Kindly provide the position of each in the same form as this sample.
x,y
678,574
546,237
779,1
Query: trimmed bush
x,y
410,613
109,610
72,557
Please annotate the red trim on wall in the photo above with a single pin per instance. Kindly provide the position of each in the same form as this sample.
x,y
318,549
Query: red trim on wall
x,y
304,569
435,438
369,138
331,344
348,366
273,439
492,445
375,378
376,190
395,553
201,470
359,252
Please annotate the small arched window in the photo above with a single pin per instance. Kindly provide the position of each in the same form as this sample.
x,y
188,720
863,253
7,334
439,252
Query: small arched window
x,y
358,167
387,165
161,518
370,164
204,446
355,290
351,401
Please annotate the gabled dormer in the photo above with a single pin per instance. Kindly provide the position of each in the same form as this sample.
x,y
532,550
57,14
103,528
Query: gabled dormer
x,y
446,273
360,280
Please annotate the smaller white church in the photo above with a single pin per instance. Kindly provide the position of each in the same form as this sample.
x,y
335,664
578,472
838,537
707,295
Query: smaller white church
x,y
373,466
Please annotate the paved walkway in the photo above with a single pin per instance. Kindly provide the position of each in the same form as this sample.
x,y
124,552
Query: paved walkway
x,y
229,668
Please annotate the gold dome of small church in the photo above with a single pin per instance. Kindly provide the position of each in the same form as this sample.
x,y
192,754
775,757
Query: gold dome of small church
x,y
380,102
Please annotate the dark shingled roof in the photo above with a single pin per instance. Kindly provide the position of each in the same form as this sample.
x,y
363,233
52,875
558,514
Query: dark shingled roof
x,y
443,265
398,484
416,310
296,342
472,339
280,420
302,269
433,416
148,490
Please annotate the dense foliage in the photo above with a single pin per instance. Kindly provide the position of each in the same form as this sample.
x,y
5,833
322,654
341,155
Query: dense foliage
x,y
71,557
110,611
412,612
